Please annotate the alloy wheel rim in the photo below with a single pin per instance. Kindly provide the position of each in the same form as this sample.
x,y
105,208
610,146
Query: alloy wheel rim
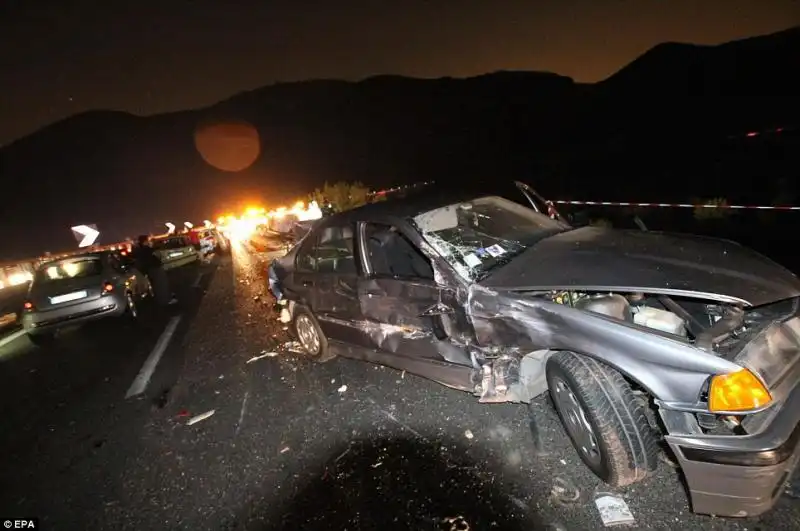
x,y
307,334
576,422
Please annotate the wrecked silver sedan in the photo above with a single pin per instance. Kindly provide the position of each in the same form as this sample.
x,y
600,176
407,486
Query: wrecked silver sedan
x,y
646,342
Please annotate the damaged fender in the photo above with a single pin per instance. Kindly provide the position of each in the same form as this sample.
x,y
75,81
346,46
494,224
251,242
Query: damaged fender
x,y
671,370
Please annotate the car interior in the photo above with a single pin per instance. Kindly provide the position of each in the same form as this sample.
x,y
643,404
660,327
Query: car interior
x,y
334,251
392,254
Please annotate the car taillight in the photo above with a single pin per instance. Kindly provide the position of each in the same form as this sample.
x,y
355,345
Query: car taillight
x,y
108,287
28,306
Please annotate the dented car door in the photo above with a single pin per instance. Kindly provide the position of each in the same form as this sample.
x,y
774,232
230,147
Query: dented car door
x,y
406,311
413,318
336,285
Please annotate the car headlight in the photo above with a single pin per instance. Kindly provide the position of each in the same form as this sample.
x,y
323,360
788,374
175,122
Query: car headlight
x,y
737,391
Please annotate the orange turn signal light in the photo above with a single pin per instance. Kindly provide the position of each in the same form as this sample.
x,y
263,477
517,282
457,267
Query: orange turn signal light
x,y
737,391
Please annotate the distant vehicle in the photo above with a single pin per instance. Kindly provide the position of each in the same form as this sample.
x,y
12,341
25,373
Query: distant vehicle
x,y
80,289
641,338
209,240
175,251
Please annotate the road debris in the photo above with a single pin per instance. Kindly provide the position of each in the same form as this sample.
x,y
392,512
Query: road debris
x,y
456,523
264,354
613,510
468,434
200,417
400,423
242,411
564,492
792,489
341,455
293,346
284,449
342,389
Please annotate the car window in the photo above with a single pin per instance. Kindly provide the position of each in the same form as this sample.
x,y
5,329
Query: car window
x,y
392,254
477,236
170,243
306,257
334,250
81,267
115,261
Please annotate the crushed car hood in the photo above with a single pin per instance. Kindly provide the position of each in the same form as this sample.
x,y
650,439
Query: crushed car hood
x,y
597,259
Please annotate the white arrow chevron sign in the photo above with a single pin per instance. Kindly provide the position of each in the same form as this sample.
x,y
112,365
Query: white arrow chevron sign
x,y
85,234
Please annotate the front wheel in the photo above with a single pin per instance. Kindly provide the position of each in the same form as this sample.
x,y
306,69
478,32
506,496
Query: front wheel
x,y
603,418
310,335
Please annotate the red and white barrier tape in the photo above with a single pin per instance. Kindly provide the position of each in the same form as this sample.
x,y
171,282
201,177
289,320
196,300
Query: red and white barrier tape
x,y
676,205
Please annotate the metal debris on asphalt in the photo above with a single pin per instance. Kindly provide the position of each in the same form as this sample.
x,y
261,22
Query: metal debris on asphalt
x,y
293,346
613,510
264,354
468,434
284,449
342,389
341,455
456,523
200,417
564,492
792,489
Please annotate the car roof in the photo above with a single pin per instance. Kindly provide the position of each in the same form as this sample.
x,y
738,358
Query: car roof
x,y
413,203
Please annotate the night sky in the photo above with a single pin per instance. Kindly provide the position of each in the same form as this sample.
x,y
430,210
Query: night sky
x,y
62,57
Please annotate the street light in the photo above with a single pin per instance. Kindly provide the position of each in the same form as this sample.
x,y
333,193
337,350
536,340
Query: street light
x,y
188,224
170,227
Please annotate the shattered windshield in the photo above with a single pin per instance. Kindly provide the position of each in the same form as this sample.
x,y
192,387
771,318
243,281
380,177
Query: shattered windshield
x,y
478,236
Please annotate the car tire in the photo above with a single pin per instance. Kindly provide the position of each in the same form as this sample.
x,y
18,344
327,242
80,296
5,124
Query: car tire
x,y
604,419
42,340
309,334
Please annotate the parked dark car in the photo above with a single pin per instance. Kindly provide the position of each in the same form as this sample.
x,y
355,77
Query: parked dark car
x,y
641,338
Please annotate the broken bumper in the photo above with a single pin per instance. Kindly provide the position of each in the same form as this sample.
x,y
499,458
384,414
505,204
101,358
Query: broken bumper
x,y
741,475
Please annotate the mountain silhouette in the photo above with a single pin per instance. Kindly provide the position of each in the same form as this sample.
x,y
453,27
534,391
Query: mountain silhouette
x,y
654,130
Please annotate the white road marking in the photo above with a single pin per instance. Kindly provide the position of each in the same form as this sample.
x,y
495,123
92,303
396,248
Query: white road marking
x,y
11,337
143,378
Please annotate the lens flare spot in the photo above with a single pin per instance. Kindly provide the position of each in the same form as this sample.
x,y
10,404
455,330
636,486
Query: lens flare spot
x,y
231,146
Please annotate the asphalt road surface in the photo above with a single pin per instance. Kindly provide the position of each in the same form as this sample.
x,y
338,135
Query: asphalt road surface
x,y
290,444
